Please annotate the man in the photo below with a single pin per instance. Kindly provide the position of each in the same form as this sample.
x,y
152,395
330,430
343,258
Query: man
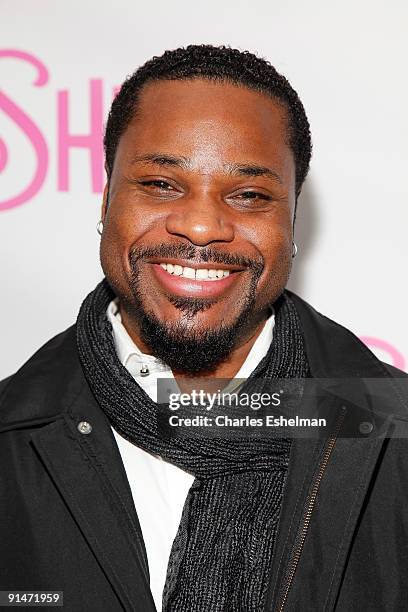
x,y
206,152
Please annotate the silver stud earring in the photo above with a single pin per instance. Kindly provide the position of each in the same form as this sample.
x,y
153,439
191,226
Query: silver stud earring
x,y
99,227
294,250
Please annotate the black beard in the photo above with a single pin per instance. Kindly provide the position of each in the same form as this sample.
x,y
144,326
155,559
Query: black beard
x,y
182,346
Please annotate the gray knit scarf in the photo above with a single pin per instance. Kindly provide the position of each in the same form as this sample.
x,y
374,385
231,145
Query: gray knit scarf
x,y
222,553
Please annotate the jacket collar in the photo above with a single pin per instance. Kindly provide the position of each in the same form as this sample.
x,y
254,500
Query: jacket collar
x,y
333,350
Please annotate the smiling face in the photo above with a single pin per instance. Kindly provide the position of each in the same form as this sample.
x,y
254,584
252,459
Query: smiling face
x,y
197,235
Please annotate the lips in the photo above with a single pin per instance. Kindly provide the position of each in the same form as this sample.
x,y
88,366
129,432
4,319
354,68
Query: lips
x,y
187,281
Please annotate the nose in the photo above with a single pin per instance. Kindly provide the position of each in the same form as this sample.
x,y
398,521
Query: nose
x,y
201,220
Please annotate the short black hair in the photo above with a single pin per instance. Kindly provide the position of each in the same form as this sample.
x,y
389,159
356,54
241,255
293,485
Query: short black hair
x,y
217,64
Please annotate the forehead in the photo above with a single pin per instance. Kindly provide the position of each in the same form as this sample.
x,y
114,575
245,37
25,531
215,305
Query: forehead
x,y
209,120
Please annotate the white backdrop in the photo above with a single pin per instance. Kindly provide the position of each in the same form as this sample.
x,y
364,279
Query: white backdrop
x,y
59,65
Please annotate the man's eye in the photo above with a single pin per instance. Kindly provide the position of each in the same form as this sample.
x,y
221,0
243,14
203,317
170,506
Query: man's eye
x,y
160,185
250,200
252,195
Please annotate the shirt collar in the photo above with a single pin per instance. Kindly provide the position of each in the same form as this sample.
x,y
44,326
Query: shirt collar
x,y
259,348
126,348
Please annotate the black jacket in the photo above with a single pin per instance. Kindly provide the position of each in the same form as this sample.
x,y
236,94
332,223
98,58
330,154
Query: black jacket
x,y
68,521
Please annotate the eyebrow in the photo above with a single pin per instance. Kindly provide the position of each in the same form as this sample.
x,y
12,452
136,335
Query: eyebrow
x,y
254,170
163,159
179,161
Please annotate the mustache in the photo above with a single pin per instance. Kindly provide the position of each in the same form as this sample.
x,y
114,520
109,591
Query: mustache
x,y
199,255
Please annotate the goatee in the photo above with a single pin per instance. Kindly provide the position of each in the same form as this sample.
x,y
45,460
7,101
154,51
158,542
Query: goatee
x,y
184,346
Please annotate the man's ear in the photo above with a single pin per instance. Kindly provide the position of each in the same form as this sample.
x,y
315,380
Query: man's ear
x,y
294,215
105,201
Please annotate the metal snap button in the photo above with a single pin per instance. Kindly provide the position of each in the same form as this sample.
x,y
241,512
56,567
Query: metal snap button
x,y
84,427
366,428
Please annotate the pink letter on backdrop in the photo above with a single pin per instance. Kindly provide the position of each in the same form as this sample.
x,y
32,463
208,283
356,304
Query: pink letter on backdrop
x,y
91,141
397,358
29,128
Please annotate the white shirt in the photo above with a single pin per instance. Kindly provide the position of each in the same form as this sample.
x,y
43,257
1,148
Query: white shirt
x,y
159,488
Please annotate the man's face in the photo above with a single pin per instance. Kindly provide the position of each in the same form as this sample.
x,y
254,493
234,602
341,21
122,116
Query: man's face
x,y
198,231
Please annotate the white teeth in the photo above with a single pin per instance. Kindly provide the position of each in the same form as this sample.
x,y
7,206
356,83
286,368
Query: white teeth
x,y
200,274
188,272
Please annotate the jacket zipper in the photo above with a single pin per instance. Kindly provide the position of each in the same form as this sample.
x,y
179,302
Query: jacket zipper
x,y
293,563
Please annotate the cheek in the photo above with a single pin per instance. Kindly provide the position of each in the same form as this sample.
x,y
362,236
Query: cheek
x,y
124,228
276,249
128,222
278,256
271,237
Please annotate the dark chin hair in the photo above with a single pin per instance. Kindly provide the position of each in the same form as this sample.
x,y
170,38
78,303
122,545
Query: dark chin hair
x,y
184,346
191,351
